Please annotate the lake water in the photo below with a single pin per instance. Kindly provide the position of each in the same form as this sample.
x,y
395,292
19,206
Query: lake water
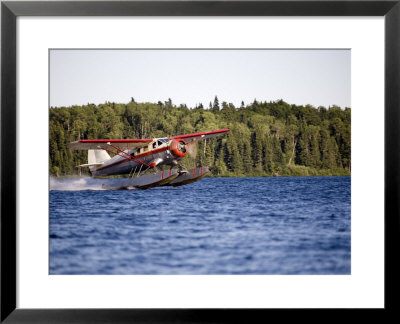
x,y
297,225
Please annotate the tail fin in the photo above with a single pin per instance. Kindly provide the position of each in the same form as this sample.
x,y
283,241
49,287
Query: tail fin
x,y
96,157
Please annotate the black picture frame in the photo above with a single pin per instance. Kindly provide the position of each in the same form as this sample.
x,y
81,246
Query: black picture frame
x,y
10,10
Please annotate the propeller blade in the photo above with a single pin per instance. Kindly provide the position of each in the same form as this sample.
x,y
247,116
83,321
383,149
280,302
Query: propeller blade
x,y
192,150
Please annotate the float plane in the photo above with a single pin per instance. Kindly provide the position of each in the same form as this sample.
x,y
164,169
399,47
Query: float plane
x,y
136,156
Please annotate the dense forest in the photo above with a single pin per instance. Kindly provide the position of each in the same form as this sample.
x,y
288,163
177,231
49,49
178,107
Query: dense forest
x,y
266,138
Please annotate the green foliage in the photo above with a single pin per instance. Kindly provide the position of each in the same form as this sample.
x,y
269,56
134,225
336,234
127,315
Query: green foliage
x,y
266,138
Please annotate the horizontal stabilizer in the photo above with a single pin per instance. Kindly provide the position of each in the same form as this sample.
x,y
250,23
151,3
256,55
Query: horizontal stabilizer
x,y
89,165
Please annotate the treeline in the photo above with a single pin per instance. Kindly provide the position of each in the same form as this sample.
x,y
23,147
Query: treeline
x,y
266,138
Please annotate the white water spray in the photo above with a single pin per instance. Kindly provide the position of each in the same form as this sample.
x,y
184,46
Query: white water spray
x,y
72,184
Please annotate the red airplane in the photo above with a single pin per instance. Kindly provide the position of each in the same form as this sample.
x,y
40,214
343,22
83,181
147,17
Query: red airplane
x,y
135,156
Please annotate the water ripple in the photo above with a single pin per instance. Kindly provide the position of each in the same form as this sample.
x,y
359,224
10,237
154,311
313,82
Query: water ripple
x,y
215,226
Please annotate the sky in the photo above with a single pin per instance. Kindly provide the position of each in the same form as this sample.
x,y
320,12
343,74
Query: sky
x,y
301,77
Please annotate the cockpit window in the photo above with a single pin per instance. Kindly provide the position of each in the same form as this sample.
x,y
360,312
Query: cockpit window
x,y
163,140
159,143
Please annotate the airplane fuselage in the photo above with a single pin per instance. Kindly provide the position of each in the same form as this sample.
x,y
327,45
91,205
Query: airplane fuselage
x,y
161,151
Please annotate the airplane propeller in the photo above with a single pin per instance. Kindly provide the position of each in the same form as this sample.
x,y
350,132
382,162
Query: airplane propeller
x,y
192,150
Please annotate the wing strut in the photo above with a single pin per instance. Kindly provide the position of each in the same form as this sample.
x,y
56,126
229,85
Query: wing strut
x,y
127,156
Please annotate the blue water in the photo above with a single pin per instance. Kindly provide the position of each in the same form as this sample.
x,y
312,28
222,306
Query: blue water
x,y
298,225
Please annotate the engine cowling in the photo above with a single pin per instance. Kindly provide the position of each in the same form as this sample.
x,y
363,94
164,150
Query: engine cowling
x,y
178,147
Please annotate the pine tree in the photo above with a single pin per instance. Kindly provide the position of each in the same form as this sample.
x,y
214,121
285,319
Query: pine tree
x,y
215,107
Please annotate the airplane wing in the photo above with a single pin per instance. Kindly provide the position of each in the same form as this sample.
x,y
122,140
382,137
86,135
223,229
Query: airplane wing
x,y
200,136
97,144
124,144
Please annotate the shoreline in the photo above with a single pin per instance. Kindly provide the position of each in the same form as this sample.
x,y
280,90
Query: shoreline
x,y
74,176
